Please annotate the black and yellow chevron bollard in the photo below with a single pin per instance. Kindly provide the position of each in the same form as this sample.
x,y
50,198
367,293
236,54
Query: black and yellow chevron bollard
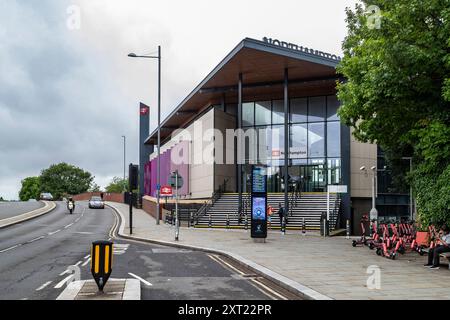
x,y
101,262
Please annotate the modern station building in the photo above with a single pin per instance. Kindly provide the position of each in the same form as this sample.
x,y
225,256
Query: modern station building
x,y
280,96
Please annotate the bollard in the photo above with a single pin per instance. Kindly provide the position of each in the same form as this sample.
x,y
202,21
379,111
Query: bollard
x,y
303,227
210,222
101,262
246,222
228,221
348,229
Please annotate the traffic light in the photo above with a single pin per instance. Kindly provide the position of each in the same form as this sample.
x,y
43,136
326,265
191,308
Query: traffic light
x,y
133,174
101,262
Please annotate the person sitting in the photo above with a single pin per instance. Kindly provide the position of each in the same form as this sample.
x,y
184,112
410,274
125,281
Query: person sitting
x,y
434,253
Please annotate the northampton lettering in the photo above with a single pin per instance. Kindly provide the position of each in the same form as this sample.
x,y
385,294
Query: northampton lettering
x,y
293,46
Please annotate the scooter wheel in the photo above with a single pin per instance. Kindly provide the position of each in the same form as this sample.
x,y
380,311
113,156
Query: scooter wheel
x,y
371,246
393,256
354,243
401,250
421,252
378,251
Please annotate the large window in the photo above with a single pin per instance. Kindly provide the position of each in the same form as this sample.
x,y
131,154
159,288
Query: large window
x,y
263,113
278,112
248,114
317,109
316,140
334,139
299,141
299,110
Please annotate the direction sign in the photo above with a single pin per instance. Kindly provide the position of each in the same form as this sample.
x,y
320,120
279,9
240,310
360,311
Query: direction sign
x,y
337,188
172,181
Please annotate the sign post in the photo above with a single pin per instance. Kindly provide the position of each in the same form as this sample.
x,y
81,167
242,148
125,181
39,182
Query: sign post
x,y
176,181
259,203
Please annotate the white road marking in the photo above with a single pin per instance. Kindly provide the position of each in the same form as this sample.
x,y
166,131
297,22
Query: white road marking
x,y
68,226
10,248
43,286
140,279
52,233
80,232
63,281
86,262
39,238
87,256
78,263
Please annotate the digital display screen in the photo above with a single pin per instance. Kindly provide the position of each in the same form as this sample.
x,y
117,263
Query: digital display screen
x,y
259,208
259,180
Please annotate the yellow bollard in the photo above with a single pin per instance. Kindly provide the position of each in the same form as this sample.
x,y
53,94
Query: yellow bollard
x,y
101,262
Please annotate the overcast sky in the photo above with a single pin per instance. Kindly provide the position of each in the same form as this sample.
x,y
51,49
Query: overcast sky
x,y
69,94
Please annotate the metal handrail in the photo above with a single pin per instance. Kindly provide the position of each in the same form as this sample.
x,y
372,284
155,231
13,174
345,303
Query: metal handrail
x,y
203,210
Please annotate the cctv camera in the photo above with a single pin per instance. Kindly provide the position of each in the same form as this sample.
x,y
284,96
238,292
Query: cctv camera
x,y
373,168
362,168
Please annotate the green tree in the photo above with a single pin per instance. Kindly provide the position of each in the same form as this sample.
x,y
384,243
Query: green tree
x,y
94,187
397,90
61,179
117,185
30,189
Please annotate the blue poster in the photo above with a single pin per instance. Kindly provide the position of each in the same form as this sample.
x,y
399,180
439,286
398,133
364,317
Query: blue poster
x,y
259,208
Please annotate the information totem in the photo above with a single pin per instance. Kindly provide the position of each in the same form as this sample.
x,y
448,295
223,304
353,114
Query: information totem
x,y
259,202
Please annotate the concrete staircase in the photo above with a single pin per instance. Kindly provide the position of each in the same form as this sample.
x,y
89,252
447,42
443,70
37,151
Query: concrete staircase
x,y
309,206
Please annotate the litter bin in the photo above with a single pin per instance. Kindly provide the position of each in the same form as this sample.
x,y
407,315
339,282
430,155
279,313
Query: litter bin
x,y
324,225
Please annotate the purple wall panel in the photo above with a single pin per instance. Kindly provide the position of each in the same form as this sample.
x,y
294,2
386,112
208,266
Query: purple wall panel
x,y
167,167
183,168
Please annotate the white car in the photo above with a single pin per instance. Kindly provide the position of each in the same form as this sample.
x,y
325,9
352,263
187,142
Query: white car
x,y
46,196
96,203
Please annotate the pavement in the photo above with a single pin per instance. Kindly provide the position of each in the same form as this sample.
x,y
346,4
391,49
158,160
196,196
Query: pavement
x,y
320,268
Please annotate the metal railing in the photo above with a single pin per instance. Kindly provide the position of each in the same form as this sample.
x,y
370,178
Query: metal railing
x,y
208,204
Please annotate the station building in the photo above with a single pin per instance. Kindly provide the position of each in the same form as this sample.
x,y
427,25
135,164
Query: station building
x,y
275,96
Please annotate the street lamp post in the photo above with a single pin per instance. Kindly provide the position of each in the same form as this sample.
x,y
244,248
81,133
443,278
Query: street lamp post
x,y
411,212
373,211
124,156
158,166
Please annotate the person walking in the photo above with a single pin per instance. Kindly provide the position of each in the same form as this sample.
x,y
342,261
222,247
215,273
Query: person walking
x,y
281,214
269,215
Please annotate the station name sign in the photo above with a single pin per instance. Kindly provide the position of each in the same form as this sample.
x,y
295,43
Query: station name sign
x,y
296,47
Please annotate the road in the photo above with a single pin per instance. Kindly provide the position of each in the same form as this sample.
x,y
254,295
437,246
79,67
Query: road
x,y
12,209
35,257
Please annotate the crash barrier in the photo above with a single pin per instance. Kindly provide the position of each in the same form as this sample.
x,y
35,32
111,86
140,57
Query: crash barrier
x,y
101,262
389,239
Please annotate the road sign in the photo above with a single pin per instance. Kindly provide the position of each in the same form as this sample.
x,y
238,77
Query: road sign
x,y
173,183
166,191
337,188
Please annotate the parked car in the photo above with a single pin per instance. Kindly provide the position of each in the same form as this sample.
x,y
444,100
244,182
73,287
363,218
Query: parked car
x,y
96,203
46,196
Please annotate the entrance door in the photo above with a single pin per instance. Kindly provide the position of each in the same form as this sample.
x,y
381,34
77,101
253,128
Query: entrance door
x,y
314,179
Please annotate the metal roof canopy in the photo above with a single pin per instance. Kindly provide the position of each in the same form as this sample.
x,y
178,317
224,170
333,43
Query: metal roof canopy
x,y
262,66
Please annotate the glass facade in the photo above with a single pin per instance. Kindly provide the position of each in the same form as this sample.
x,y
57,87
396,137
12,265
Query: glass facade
x,y
314,141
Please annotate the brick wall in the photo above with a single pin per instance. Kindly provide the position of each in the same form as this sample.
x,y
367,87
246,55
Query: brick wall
x,y
113,197
149,206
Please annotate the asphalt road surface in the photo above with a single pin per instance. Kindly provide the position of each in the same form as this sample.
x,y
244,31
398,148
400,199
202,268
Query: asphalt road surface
x,y
12,209
35,257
